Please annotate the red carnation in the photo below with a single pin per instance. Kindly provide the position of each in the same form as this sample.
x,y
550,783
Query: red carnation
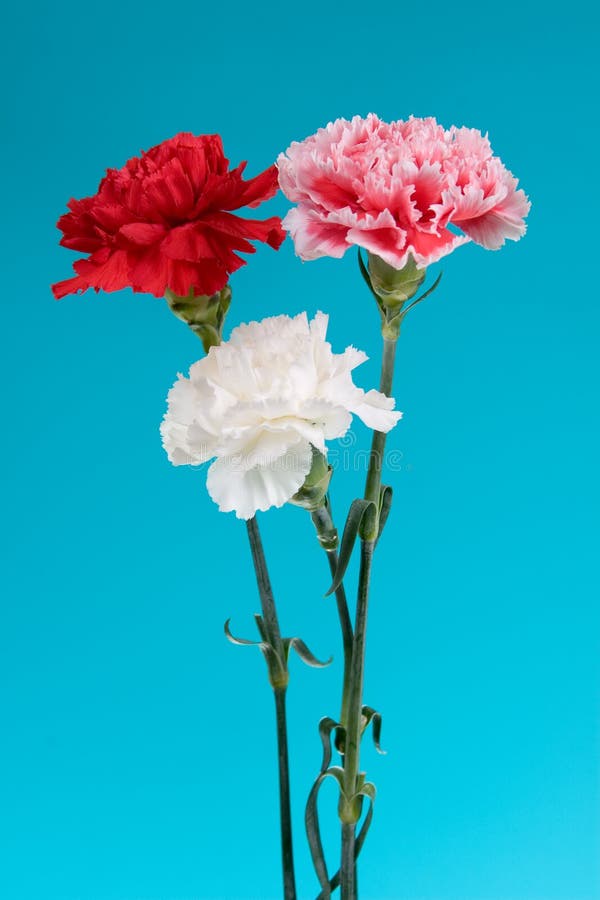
x,y
164,221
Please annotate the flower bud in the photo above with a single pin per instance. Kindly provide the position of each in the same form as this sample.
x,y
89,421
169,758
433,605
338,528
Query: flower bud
x,y
312,494
204,314
394,286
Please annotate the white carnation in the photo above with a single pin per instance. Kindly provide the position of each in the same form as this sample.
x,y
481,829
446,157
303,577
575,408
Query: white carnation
x,y
258,402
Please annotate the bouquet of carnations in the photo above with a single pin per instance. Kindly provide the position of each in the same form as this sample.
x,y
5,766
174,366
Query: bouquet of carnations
x,y
263,401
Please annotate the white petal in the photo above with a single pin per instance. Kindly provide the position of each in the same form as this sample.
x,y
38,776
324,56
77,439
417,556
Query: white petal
x,y
246,491
318,326
259,401
262,444
353,358
375,409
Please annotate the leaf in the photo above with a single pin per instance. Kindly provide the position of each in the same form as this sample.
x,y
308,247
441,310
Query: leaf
x,y
423,296
304,653
313,830
277,668
275,665
385,503
365,274
313,834
326,726
261,627
372,717
377,722
368,790
241,642
361,512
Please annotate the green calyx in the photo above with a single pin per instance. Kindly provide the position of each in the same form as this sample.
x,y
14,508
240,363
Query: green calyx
x,y
392,288
204,314
311,495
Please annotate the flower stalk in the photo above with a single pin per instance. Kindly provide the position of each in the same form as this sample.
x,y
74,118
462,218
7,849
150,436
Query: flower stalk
x,y
278,676
351,799
328,538
373,483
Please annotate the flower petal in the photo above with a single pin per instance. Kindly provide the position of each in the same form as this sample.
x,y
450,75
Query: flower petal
x,y
246,491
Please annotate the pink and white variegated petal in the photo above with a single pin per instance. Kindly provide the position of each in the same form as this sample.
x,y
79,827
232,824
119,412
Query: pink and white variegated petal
x,y
315,236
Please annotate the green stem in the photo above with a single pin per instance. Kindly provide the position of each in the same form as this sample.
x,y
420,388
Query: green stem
x,y
350,807
287,849
267,600
273,634
348,871
325,528
378,444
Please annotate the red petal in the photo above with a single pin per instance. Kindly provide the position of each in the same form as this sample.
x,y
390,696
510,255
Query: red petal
x,y
70,286
206,277
149,272
267,230
108,273
165,194
142,233
187,242
260,188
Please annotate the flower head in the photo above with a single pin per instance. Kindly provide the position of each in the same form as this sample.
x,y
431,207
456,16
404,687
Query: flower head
x,y
164,221
395,188
260,403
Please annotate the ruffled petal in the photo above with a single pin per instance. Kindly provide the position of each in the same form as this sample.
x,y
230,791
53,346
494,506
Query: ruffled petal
x,y
377,411
104,270
415,173
313,237
247,491
169,210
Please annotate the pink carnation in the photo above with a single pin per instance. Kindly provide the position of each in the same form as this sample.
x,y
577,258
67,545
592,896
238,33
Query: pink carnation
x,y
395,188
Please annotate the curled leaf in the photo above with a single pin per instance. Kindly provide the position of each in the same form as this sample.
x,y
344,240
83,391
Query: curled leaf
x,y
241,642
373,718
276,666
385,503
313,829
368,790
326,726
304,653
423,296
365,274
361,517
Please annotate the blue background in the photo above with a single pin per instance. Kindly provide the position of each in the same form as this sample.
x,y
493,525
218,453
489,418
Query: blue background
x,y
136,758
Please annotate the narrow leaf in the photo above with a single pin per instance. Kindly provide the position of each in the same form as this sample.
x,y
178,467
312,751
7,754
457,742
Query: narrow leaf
x,y
359,510
334,882
304,653
423,296
373,718
326,726
365,274
377,722
239,641
313,834
276,667
313,830
385,503
261,626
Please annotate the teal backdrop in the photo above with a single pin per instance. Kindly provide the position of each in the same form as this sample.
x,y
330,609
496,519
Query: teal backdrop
x,y
137,758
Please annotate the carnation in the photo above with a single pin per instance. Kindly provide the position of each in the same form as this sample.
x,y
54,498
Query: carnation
x,y
259,403
399,190
165,220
